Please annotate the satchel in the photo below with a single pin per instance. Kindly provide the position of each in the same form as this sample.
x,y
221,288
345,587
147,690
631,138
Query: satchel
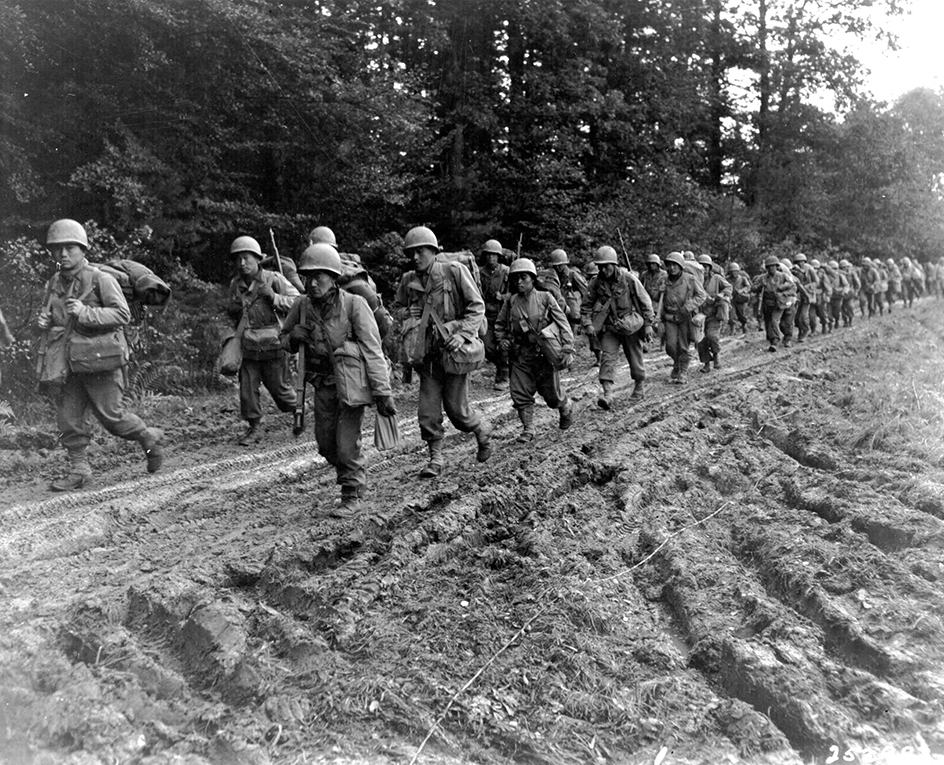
x,y
467,357
628,324
550,342
100,352
261,343
351,381
412,341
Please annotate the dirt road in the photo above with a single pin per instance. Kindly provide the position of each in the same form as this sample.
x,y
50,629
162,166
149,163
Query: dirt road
x,y
747,569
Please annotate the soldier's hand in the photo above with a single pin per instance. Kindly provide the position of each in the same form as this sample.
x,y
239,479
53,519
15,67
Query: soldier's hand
x,y
416,311
566,359
44,320
299,333
266,292
385,406
647,334
454,343
73,307
505,344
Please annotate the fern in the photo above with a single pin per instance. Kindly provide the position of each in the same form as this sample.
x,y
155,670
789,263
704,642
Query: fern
x,y
6,411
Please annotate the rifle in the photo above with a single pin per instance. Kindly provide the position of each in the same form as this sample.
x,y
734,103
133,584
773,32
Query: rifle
x,y
275,249
518,251
298,417
629,264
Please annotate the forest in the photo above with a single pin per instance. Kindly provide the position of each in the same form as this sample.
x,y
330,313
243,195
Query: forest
x,y
736,127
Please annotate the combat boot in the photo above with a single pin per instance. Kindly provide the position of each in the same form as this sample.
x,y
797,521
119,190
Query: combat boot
x,y
501,379
251,435
153,449
80,473
435,465
526,415
483,436
639,391
566,411
706,367
605,399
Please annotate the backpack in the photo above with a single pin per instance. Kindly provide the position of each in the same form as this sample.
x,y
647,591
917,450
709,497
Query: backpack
x,y
466,258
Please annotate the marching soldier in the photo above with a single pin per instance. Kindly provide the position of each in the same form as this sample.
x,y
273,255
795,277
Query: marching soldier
x,y
524,314
778,295
494,277
740,296
441,295
807,283
684,295
715,307
653,280
86,304
257,298
849,296
337,326
619,312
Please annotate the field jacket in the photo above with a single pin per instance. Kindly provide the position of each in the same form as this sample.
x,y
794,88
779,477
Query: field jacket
x,y
450,291
621,295
683,297
494,288
328,324
717,297
740,287
808,280
244,298
778,289
654,284
523,316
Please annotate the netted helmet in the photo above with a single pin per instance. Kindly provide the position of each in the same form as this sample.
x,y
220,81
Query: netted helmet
x,y
322,234
704,259
492,245
319,257
604,255
245,244
799,258
420,236
67,231
523,266
771,260
558,258
675,257
653,258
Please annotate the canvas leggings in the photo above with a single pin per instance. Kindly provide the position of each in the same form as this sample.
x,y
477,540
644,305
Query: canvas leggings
x,y
530,374
273,374
103,395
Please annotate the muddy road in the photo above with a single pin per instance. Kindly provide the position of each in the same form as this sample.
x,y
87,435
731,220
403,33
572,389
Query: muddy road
x,y
747,569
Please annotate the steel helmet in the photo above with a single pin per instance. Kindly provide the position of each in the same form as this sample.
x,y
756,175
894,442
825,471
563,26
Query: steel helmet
x,y
523,266
675,257
245,244
890,261
833,264
845,263
67,231
558,258
799,258
866,261
732,266
704,259
815,263
320,257
420,236
591,269
605,254
771,260
653,258
322,234
786,262
492,245
688,255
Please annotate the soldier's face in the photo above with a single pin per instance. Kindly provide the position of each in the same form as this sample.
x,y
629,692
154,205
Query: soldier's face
x,y
673,269
491,259
607,270
320,283
423,258
68,256
525,283
247,263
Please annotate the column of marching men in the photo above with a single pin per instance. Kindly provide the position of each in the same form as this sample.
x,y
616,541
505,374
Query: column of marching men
x,y
452,313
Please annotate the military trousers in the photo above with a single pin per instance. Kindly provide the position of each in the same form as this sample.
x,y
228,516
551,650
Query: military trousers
x,y
802,320
739,314
441,391
273,374
777,322
101,394
677,342
611,344
710,346
848,309
531,373
493,353
338,435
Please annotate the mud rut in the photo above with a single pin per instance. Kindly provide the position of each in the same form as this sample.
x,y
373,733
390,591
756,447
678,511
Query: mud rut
x,y
219,613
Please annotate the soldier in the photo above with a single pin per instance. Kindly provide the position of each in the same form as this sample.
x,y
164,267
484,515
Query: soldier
x,y
824,290
523,315
777,295
870,285
909,282
573,286
330,322
715,308
740,296
839,289
590,270
257,298
653,280
894,283
618,311
441,294
807,282
86,309
494,278
847,310
683,296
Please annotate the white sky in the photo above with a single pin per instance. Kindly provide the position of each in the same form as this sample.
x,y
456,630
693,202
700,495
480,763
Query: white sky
x,y
919,62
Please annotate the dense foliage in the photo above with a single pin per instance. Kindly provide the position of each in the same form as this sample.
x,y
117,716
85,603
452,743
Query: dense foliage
x,y
664,123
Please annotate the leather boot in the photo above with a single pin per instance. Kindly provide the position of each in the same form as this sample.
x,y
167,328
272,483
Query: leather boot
x,y
483,436
501,379
251,435
153,449
639,391
526,415
706,367
80,472
606,397
566,410
435,465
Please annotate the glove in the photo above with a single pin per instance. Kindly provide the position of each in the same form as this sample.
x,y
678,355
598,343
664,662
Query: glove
x,y
385,406
647,333
266,293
